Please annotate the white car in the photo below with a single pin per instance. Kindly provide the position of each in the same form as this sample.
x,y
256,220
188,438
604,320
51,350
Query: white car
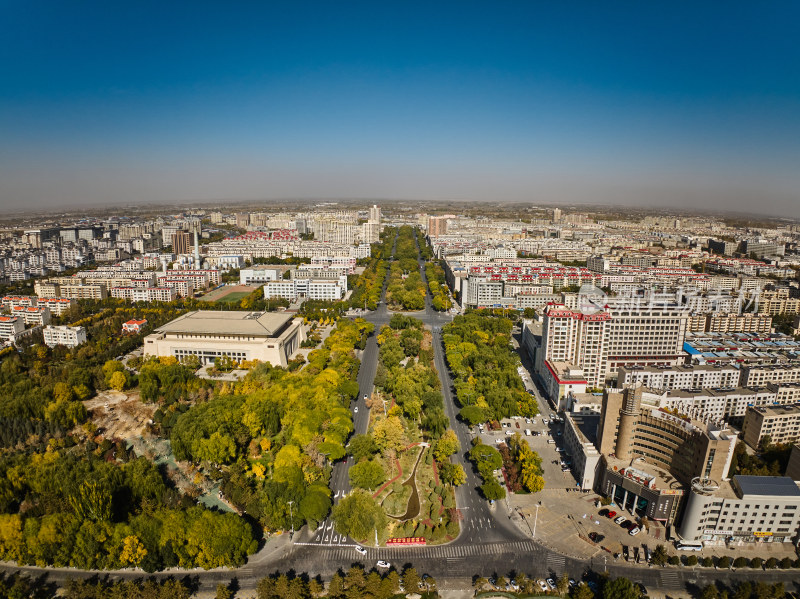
x,y
542,586
361,550
509,433
383,564
355,409
551,583
366,397
619,519
634,531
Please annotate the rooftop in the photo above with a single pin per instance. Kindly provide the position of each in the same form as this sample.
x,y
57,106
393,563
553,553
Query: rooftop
x,y
773,486
229,322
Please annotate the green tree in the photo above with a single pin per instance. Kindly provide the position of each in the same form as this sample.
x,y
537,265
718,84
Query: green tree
x,y
472,415
562,584
367,475
446,446
362,447
452,474
492,490
358,515
582,591
659,557
620,588
223,592
724,562
411,580
709,592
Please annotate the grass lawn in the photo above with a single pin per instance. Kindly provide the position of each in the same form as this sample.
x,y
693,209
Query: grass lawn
x,y
235,296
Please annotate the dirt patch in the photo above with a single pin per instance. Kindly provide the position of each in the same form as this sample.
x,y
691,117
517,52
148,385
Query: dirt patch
x,y
119,414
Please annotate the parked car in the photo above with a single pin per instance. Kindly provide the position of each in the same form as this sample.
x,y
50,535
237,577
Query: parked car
x,y
551,583
542,586
603,512
634,531
611,514
624,522
619,519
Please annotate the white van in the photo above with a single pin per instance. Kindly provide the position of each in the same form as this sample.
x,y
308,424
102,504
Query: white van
x,y
551,442
527,432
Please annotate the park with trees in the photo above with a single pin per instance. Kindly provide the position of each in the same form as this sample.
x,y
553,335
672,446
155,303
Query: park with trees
x,y
402,472
484,368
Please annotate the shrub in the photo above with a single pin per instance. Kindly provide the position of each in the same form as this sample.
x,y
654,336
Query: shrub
x,y
772,563
691,560
741,562
708,562
724,562
756,562
786,563
674,560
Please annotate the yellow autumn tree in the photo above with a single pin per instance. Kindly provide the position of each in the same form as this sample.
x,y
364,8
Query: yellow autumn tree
x,y
133,552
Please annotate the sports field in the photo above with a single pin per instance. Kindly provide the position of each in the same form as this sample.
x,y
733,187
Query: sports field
x,y
228,294
235,296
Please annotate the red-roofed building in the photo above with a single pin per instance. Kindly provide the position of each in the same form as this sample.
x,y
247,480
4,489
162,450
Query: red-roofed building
x,y
134,326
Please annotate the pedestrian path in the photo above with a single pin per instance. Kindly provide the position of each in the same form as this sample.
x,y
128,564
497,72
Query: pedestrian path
x,y
451,553
671,579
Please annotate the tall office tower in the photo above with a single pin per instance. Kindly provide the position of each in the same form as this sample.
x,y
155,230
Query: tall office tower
x,y
375,214
577,339
602,342
181,242
556,215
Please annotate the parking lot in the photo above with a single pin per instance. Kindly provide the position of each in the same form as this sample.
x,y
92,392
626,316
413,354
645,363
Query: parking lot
x,y
568,518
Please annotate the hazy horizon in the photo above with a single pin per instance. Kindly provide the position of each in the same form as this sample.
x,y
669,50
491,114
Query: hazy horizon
x,y
641,106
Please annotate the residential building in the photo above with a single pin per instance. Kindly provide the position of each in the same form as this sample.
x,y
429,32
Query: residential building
x,y
33,315
10,327
793,467
64,335
437,226
57,305
134,326
679,377
181,242
780,423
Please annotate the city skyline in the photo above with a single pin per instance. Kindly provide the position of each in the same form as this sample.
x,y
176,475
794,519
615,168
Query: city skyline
x,y
635,106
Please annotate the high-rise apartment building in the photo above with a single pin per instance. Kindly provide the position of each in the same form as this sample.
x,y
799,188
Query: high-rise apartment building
x,y
181,242
375,214
437,225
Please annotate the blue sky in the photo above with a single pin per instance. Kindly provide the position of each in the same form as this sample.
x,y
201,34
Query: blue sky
x,y
549,102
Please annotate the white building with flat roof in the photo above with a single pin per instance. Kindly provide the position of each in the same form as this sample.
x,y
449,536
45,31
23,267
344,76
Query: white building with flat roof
x,y
10,327
210,334
64,335
745,509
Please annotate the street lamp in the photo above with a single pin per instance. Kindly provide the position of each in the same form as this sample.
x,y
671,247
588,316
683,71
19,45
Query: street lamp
x,y
536,518
291,517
